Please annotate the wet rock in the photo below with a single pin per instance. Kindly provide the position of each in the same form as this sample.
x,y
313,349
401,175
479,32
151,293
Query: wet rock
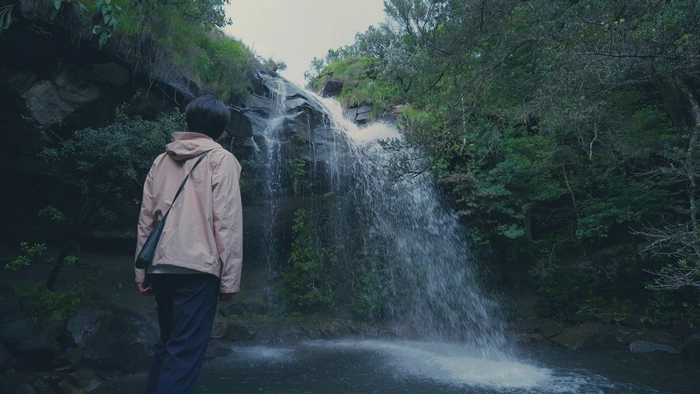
x,y
24,338
332,87
112,337
665,340
691,346
550,330
87,380
359,114
70,386
219,328
215,350
111,73
682,328
650,347
240,308
50,102
6,360
236,332
334,330
588,336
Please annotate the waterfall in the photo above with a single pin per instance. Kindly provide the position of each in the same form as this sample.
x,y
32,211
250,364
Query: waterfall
x,y
389,248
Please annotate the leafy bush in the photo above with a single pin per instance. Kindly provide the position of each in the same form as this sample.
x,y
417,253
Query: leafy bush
x,y
44,305
167,40
105,167
309,280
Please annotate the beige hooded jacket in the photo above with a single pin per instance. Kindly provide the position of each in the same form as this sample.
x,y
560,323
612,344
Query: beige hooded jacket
x,y
204,230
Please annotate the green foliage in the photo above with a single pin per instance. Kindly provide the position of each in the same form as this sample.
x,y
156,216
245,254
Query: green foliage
x,y
297,171
274,64
106,166
29,252
310,280
44,305
558,129
222,64
110,20
6,17
167,40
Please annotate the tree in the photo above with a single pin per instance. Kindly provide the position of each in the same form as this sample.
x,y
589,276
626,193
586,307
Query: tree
x,y
102,170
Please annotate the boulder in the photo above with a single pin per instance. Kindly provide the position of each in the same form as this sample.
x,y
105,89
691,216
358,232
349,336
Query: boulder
x,y
24,338
691,346
87,380
237,332
332,87
588,336
650,347
112,337
662,340
51,102
6,360
359,114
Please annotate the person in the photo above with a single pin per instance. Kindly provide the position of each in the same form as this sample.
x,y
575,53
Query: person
x,y
199,256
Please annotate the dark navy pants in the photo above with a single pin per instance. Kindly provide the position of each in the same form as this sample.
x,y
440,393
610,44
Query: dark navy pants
x,y
186,310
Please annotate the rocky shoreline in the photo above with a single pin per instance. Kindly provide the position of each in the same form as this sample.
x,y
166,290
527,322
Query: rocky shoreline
x,y
103,342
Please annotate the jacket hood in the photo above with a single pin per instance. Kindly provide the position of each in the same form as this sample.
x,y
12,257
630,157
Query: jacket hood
x,y
186,145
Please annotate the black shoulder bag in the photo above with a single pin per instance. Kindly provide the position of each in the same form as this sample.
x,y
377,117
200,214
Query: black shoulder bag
x,y
148,250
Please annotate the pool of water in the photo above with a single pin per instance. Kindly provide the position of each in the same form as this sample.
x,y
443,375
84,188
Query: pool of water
x,y
355,366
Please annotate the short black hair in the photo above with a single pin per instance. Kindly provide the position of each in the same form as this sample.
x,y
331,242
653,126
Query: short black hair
x,y
207,115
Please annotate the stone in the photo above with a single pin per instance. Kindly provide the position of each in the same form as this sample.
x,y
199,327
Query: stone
x,y
6,361
588,336
111,73
112,337
682,328
691,346
550,330
51,102
45,104
24,338
649,347
332,87
359,114
657,337
87,379
237,332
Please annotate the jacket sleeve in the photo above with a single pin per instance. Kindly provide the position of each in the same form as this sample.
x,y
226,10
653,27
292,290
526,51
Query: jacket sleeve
x,y
228,221
146,222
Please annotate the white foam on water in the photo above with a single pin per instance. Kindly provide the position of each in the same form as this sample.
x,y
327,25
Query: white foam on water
x,y
463,366
264,353
453,364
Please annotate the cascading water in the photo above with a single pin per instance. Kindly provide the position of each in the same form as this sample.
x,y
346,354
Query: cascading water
x,y
430,289
400,255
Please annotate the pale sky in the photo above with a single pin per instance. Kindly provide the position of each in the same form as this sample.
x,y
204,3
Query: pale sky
x,y
296,31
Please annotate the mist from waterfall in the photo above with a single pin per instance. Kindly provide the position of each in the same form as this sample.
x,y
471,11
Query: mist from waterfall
x,y
407,257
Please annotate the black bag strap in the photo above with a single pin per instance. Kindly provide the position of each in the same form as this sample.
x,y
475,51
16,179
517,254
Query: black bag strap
x,y
182,185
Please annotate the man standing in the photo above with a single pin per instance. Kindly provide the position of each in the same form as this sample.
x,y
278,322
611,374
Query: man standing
x,y
199,255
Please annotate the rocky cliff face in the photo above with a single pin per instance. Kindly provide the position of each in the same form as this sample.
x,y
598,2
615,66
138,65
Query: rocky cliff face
x,y
49,83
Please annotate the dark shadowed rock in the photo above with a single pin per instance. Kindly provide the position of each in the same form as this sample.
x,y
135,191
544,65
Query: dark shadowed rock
x,y
236,332
24,338
588,336
650,347
692,346
332,87
6,361
662,341
359,114
112,337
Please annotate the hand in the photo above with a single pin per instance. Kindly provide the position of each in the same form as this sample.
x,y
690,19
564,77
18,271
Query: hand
x,y
225,296
144,289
